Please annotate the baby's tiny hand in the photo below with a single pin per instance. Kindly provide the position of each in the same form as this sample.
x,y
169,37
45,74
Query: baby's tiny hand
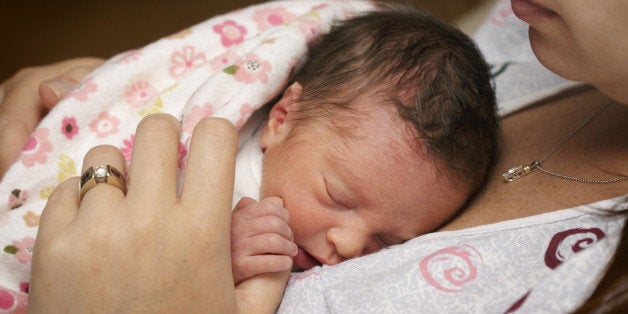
x,y
261,240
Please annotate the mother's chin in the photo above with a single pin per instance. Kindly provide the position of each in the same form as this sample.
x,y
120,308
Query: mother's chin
x,y
562,59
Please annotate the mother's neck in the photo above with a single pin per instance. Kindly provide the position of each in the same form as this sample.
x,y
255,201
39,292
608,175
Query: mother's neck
x,y
599,150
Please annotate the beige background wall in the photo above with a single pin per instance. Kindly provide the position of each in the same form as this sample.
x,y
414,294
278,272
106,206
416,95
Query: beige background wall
x,y
36,32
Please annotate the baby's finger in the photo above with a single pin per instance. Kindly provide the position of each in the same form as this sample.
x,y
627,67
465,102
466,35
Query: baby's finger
x,y
244,202
267,224
270,243
261,264
268,206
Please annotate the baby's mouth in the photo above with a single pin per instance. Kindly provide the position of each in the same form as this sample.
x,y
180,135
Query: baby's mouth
x,y
304,261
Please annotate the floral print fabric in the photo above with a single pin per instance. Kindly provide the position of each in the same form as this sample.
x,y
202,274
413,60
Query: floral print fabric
x,y
228,66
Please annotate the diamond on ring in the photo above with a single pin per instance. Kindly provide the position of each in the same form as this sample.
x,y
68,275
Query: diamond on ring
x,y
101,174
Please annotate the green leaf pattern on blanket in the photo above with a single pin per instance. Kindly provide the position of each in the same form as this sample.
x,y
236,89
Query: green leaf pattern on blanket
x,y
232,69
11,249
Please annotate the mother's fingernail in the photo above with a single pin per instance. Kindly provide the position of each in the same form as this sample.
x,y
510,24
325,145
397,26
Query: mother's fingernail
x,y
60,87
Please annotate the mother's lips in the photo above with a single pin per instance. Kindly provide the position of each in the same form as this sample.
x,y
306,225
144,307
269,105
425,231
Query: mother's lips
x,y
530,10
304,261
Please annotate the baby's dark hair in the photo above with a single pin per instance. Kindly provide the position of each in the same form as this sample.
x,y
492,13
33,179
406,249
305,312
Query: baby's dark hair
x,y
431,71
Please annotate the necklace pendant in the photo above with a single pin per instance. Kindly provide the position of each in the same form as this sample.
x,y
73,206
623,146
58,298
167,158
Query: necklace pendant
x,y
517,172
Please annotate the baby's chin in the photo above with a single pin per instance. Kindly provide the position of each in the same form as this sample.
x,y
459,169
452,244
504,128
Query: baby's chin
x,y
304,261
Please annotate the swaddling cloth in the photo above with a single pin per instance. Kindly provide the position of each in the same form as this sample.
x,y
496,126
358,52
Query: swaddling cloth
x,y
228,66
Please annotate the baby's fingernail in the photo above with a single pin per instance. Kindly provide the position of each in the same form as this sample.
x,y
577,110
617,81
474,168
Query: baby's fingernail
x,y
276,200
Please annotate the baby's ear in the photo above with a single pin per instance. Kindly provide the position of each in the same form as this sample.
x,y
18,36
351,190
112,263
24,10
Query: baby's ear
x,y
277,127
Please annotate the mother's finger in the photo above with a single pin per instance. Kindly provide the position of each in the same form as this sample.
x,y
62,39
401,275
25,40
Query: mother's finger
x,y
209,174
93,197
21,108
155,160
60,210
20,111
51,91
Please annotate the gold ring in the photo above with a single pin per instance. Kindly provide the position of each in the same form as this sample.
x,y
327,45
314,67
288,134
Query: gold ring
x,y
101,174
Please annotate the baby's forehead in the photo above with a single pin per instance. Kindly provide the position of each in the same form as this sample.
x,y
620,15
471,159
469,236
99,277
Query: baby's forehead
x,y
378,154
386,155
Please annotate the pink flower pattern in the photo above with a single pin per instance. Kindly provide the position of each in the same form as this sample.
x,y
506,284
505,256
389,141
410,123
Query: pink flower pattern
x,y
183,152
36,149
195,115
82,91
69,127
31,219
231,33
224,60
127,148
269,17
184,61
8,301
17,198
252,69
138,93
246,111
309,27
104,125
24,286
24,248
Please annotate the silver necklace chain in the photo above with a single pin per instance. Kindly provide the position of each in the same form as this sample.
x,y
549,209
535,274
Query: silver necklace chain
x,y
519,171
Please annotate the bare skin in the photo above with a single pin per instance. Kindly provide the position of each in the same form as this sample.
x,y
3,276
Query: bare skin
x,y
598,151
569,39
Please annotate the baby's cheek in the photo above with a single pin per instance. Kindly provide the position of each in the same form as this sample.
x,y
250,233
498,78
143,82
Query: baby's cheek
x,y
374,246
304,227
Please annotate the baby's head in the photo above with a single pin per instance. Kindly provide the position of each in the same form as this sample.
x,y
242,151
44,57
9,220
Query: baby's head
x,y
388,130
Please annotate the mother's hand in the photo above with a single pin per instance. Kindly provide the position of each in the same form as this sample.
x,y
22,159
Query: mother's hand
x,y
28,95
153,250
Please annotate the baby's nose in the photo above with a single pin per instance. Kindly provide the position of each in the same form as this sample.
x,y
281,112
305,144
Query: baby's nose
x,y
349,242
